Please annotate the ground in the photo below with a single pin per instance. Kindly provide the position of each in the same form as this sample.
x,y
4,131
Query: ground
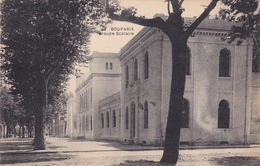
x,y
66,151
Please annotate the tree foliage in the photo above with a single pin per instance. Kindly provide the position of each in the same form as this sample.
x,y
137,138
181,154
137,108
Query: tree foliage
x,y
245,13
43,40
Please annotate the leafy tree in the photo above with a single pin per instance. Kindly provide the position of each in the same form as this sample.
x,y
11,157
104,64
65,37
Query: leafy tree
x,y
178,35
43,39
8,109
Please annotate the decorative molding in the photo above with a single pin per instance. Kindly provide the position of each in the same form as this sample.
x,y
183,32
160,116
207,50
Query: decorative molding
x,y
95,75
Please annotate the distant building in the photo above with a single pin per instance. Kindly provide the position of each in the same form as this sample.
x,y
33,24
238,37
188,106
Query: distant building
x,y
103,81
221,100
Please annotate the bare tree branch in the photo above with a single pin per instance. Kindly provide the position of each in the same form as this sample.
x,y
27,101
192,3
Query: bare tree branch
x,y
175,6
196,23
180,3
168,7
155,22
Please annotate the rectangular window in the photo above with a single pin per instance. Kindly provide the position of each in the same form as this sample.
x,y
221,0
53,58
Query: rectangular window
x,y
107,119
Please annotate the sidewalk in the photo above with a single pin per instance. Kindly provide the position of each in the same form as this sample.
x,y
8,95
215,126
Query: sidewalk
x,y
81,145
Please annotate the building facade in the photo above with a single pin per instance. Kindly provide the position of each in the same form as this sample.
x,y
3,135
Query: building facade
x,y
221,99
103,81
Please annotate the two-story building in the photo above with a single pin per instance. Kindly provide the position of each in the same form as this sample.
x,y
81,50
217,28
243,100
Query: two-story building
x,y
221,99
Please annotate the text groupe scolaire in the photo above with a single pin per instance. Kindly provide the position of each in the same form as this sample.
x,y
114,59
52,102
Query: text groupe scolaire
x,y
120,31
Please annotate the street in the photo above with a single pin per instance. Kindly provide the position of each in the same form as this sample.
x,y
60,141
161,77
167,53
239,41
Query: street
x,y
66,151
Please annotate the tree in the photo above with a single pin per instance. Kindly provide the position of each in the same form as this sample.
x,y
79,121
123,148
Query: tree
x,y
9,110
43,39
178,35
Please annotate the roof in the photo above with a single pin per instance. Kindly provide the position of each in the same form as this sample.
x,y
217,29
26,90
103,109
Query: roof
x,y
104,55
206,24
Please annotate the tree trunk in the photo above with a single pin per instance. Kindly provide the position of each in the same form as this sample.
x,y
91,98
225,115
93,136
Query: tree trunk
x,y
65,128
7,131
172,134
39,140
23,131
20,131
14,131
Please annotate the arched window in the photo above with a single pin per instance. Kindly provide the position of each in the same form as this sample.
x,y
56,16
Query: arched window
x,y
102,120
126,118
187,63
107,119
185,114
114,118
136,70
106,65
146,65
111,65
224,63
126,77
145,114
223,114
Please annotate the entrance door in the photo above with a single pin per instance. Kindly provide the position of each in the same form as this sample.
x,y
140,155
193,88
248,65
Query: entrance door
x,y
132,120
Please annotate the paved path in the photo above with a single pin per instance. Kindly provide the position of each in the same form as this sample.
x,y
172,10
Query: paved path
x,y
64,152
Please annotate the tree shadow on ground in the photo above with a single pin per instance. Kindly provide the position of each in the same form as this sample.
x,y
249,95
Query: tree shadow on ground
x,y
143,163
20,150
14,158
236,161
15,146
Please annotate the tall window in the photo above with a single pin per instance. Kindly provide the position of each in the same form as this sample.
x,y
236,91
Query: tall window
x,y
102,120
91,125
146,65
111,65
107,119
114,118
83,124
223,114
91,95
126,118
126,77
224,63
187,63
87,123
106,65
136,70
185,114
145,114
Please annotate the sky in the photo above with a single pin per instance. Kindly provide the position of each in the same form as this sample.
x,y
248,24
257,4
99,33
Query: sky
x,y
148,8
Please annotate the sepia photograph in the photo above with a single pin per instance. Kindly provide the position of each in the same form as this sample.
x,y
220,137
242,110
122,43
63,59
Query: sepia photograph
x,y
130,83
